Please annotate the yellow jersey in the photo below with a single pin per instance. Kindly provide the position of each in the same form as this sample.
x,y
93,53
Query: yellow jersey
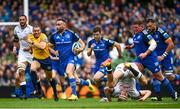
x,y
37,52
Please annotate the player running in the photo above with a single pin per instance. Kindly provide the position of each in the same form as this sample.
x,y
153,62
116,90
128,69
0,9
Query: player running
x,y
101,47
63,40
24,56
41,59
144,46
164,52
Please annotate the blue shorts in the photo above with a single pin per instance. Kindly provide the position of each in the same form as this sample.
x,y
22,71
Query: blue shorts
x,y
63,64
45,63
150,62
167,64
100,69
56,67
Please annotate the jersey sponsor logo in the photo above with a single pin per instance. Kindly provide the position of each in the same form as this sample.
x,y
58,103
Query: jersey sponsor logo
x,y
156,63
67,36
58,37
156,69
110,41
160,30
136,41
149,36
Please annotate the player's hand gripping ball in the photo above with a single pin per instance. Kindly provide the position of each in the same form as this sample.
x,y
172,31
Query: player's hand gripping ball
x,y
76,48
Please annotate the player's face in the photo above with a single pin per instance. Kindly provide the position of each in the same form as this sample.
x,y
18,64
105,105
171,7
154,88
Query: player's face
x,y
151,26
36,32
137,28
60,25
97,35
22,21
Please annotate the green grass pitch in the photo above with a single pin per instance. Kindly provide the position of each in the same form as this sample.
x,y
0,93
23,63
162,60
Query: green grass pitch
x,y
85,103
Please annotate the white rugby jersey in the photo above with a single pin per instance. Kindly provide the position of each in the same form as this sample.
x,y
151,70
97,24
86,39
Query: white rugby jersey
x,y
22,33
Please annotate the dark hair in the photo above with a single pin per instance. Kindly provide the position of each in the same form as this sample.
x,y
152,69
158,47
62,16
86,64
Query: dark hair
x,y
150,20
97,29
62,19
23,16
36,26
138,22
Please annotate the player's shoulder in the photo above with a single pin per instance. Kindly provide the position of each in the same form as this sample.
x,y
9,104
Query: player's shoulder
x,y
30,35
145,32
29,26
43,35
160,30
69,31
17,28
53,34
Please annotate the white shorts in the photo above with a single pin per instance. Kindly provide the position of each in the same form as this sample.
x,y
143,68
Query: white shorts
x,y
26,57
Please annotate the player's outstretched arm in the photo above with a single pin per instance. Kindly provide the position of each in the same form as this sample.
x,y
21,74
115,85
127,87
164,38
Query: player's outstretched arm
x,y
118,47
168,49
152,46
145,94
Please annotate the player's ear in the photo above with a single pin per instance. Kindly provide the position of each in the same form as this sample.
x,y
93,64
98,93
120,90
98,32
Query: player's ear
x,y
142,25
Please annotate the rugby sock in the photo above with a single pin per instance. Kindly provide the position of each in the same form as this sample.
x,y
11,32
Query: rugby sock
x,y
39,87
23,87
104,79
73,85
177,77
53,84
168,85
83,82
34,79
157,88
138,86
135,72
101,89
63,87
109,69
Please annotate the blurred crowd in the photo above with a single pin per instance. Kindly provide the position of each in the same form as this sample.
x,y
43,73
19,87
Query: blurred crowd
x,y
115,17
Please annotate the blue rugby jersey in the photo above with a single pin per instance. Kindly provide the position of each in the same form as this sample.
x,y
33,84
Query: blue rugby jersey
x,y
141,43
101,49
160,36
63,43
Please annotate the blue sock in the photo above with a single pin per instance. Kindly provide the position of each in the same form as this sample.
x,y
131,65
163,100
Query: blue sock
x,y
168,85
177,77
101,89
73,85
138,86
63,87
84,82
104,79
156,86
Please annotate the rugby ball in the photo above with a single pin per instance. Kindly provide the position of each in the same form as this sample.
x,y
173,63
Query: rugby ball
x,y
76,45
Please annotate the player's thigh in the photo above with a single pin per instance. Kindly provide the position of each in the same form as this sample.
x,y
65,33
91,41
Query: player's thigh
x,y
35,65
98,76
167,65
21,68
70,68
48,74
117,75
159,76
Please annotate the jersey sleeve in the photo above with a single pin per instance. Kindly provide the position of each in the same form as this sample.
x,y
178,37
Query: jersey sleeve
x,y
44,39
109,43
75,37
89,44
163,33
16,39
51,39
146,36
